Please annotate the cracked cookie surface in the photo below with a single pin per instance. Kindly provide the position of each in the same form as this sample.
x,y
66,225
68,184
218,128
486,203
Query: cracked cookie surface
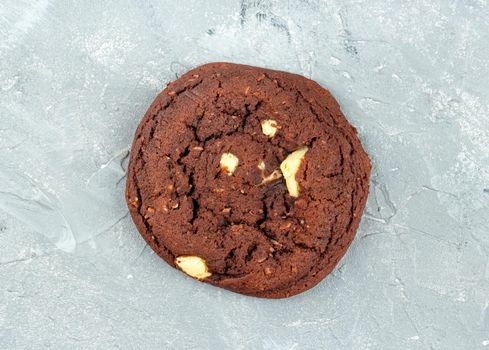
x,y
204,186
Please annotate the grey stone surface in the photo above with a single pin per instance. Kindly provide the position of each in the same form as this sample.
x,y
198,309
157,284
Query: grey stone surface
x,y
75,79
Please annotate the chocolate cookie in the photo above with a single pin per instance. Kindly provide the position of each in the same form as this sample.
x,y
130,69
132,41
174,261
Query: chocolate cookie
x,y
248,179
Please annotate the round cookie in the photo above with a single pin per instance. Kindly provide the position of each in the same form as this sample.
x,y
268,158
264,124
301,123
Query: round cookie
x,y
248,179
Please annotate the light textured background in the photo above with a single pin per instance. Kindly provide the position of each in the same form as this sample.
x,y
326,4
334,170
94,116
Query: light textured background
x,y
75,79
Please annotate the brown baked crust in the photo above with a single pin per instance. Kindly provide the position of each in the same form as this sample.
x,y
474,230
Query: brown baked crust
x,y
256,240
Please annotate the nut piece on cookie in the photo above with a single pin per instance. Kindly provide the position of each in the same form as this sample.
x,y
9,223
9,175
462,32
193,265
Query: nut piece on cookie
x,y
290,167
193,266
275,175
269,127
229,163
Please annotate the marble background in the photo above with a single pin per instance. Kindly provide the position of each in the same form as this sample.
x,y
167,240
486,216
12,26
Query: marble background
x,y
75,79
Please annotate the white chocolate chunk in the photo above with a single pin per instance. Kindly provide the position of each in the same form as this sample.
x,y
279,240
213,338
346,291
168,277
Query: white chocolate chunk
x,y
229,162
193,266
269,127
290,167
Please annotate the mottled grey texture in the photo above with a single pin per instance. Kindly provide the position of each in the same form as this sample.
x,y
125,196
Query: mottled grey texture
x,y
75,79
